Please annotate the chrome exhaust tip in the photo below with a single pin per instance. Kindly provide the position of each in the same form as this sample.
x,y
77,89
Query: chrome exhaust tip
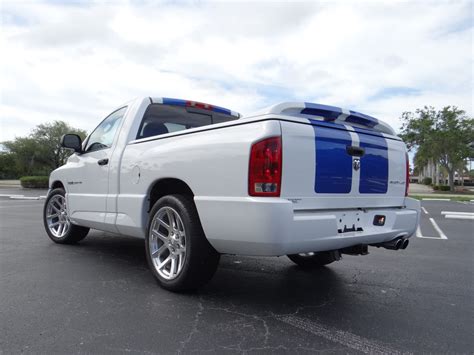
x,y
395,244
405,243
398,244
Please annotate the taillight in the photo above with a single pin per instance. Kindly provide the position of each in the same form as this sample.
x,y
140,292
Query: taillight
x,y
265,168
407,176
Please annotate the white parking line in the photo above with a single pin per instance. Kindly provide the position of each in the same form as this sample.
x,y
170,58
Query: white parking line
x,y
458,213
436,227
436,199
419,235
24,198
424,210
458,216
22,206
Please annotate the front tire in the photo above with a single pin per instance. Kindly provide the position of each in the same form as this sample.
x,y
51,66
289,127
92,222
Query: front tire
x,y
56,220
315,259
178,253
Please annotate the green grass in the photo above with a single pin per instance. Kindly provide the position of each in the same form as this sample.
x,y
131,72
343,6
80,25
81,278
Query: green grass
x,y
448,192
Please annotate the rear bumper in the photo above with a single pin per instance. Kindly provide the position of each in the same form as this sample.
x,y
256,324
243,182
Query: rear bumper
x,y
271,227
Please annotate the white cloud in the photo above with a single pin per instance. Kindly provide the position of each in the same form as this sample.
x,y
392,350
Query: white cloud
x,y
77,62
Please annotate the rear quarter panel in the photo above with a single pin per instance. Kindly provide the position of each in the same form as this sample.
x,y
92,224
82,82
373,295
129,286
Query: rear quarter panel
x,y
212,163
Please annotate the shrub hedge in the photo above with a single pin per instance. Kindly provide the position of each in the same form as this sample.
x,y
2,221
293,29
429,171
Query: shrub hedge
x,y
34,182
441,187
427,181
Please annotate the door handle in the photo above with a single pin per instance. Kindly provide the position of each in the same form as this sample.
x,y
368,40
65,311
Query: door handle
x,y
103,161
355,151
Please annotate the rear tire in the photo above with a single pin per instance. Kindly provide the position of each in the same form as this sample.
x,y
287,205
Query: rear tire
x,y
316,259
178,253
56,220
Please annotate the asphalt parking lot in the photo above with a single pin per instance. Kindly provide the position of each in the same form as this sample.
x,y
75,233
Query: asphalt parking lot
x,y
99,297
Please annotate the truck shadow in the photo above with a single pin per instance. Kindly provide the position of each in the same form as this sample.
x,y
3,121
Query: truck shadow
x,y
116,247
276,287
257,284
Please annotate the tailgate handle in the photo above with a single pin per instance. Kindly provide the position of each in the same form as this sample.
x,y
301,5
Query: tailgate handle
x,y
355,151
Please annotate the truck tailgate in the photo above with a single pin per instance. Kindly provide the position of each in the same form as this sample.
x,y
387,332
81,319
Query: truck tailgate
x,y
329,165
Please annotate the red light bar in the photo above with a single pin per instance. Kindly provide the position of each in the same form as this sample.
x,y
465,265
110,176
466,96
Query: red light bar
x,y
200,105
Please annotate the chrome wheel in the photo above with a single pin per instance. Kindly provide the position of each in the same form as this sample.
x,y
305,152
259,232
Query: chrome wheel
x,y
57,217
167,243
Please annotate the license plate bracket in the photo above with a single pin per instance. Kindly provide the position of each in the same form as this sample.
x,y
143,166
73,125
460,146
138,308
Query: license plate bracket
x,y
349,222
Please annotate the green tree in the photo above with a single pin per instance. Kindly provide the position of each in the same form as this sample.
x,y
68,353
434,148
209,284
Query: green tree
x,y
443,136
8,168
24,150
48,135
40,152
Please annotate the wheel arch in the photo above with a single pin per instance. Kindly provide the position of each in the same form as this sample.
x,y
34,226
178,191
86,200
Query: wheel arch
x,y
57,184
167,186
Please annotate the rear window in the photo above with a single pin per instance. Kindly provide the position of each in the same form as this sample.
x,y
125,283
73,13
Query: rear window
x,y
161,119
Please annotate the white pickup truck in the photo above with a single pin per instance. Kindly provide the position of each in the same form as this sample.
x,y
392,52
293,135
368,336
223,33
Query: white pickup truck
x,y
300,179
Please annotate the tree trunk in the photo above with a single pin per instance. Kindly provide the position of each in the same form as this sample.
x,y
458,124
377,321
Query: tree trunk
x,y
30,166
433,171
451,179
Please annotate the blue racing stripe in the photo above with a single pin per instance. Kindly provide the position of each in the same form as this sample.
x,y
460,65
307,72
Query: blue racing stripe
x,y
333,164
341,126
332,125
368,131
373,165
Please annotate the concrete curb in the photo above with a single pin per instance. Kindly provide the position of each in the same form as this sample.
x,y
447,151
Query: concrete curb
x,y
440,197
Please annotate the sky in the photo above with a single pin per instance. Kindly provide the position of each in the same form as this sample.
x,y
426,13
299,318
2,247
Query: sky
x,y
78,60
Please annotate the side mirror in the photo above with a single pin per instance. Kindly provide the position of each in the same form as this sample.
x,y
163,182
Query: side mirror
x,y
72,141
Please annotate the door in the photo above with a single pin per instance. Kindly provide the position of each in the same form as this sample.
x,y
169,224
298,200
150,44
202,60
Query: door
x,y
88,182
